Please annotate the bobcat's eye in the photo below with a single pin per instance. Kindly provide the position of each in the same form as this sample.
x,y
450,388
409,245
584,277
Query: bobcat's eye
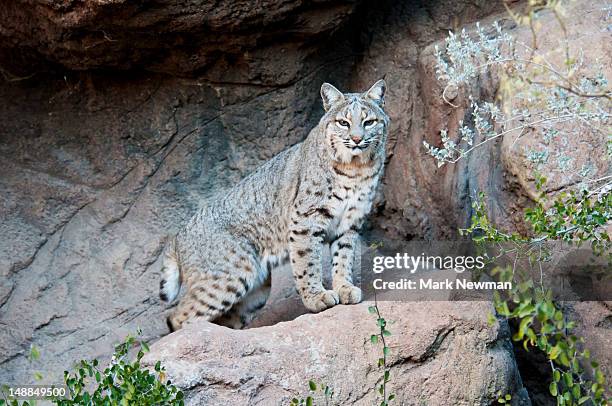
x,y
343,123
369,123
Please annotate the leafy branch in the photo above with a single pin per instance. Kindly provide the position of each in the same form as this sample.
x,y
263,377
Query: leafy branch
x,y
546,98
325,390
576,378
382,361
123,382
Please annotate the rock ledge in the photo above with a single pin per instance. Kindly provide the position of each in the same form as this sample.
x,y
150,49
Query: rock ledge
x,y
440,355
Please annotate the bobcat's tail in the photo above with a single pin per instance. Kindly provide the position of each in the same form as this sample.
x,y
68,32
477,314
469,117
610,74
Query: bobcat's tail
x,y
170,283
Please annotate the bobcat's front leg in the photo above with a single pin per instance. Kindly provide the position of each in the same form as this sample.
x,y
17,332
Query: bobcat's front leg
x,y
343,254
305,247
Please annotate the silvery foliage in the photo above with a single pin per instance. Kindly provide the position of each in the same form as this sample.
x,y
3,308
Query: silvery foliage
x,y
559,108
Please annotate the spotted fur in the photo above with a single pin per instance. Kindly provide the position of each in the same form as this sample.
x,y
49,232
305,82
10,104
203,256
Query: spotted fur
x,y
314,193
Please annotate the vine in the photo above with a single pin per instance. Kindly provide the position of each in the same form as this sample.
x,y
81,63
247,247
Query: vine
x,y
382,361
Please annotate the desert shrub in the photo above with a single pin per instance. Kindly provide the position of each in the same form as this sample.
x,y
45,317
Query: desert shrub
x,y
123,382
576,379
315,390
551,103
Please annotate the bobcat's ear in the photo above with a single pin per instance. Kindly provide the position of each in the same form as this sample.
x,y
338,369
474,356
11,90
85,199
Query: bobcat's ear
x,y
330,95
377,93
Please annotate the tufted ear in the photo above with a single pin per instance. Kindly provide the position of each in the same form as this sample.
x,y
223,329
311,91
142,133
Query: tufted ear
x,y
330,95
377,93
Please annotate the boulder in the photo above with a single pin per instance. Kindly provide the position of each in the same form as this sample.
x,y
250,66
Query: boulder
x,y
440,353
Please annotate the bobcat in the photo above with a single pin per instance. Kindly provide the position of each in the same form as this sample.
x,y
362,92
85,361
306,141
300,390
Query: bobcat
x,y
317,192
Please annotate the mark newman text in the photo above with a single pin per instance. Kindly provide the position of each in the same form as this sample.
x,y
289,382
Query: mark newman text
x,y
446,284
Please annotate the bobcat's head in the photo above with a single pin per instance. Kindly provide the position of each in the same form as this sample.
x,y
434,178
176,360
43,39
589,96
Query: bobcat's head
x,y
355,125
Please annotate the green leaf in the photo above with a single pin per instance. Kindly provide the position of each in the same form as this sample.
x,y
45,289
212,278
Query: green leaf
x,y
576,391
599,377
503,309
374,338
554,353
563,359
553,388
386,333
372,309
523,327
557,375
526,311
312,385
309,401
532,335
547,328
386,351
34,353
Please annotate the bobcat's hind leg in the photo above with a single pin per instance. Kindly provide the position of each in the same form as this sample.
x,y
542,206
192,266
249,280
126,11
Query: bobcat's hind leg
x,y
195,303
224,277
243,312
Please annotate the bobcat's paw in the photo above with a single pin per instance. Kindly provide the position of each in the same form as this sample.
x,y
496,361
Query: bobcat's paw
x,y
321,301
349,294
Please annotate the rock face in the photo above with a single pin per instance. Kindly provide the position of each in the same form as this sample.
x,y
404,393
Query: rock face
x,y
441,354
178,38
117,119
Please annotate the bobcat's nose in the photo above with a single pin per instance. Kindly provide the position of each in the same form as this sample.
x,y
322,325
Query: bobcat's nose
x,y
356,139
